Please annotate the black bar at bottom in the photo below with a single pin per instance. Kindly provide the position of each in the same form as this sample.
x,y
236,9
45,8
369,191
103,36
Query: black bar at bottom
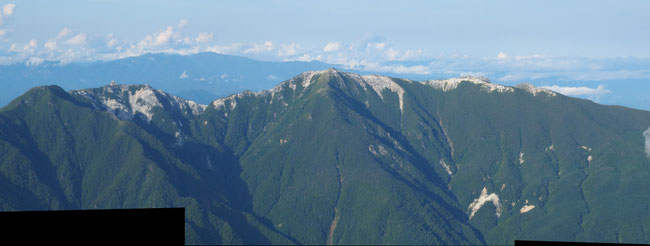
x,y
551,243
115,226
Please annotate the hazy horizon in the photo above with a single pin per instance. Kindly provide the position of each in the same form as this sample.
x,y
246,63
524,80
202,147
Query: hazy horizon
x,y
582,49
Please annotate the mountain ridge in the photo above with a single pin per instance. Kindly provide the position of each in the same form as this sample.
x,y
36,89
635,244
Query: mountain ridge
x,y
335,157
443,84
380,82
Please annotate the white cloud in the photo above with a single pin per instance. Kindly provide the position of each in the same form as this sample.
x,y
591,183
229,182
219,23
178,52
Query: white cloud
x,y
332,46
63,33
183,23
401,69
34,61
65,47
5,12
273,77
204,37
78,39
112,42
53,43
418,54
306,58
164,36
392,54
169,36
187,51
646,134
259,48
513,77
613,75
225,49
502,56
472,74
288,50
186,41
380,67
27,48
378,46
8,10
50,45
369,54
579,91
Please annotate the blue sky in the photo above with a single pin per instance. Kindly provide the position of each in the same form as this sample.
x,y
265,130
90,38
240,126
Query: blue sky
x,y
588,48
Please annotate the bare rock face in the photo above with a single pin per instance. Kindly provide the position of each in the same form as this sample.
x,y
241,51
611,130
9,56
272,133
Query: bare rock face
x,y
127,101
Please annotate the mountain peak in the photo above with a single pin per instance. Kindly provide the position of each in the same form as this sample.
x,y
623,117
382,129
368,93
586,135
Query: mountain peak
x,y
127,101
304,79
332,70
535,90
452,83
478,78
378,83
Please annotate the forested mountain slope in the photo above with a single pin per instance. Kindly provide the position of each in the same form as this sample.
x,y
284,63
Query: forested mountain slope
x,y
334,157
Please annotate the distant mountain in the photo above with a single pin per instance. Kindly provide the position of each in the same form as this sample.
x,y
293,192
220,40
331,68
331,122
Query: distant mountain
x,y
201,77
330,157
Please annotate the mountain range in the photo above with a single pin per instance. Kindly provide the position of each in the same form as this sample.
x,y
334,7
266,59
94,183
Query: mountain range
x,y
332,157
199,77
203,77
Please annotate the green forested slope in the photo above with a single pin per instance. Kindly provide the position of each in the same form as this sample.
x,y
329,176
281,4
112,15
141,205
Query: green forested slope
x,y
332,157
